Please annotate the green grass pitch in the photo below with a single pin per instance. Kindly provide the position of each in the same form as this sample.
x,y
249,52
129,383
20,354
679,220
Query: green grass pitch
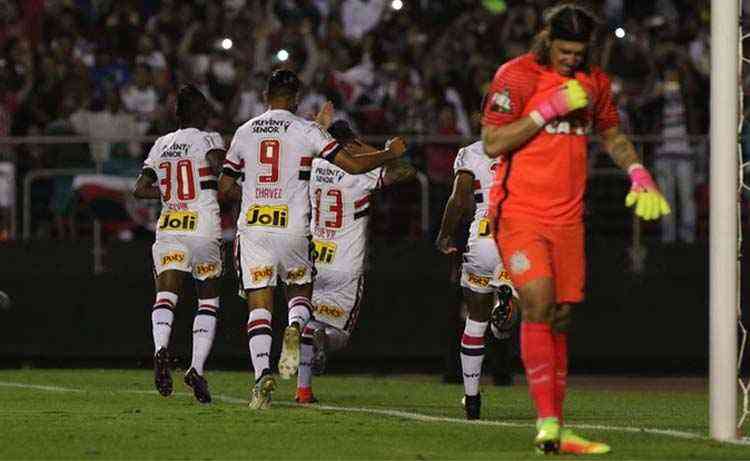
x,y
115,414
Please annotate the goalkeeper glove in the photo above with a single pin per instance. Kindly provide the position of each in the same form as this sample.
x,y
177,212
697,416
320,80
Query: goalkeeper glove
x,y
648,201
566,98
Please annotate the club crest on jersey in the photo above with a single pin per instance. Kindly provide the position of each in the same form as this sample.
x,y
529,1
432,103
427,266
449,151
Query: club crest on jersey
x,y
324,252
179,221
500,102
267,215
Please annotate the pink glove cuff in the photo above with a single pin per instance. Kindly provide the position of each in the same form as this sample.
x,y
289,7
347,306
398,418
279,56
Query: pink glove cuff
x,y
547,111
640,178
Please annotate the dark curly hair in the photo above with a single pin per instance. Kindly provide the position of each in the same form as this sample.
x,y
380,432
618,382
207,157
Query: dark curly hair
x,y
567,21
191,104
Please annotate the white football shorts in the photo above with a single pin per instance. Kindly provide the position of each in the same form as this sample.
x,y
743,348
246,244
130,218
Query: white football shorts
x,y
336,298
261,258
201,256
482,270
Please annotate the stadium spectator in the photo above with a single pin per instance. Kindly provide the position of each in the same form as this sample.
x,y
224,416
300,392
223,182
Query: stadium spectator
x,y
360,16
407,50
140,98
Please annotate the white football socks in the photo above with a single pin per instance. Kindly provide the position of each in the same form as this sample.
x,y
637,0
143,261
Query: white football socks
x,y
204,331
162,317
259,339
472,355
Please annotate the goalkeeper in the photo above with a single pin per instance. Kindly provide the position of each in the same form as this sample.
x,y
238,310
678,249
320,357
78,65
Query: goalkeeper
x,y
538,113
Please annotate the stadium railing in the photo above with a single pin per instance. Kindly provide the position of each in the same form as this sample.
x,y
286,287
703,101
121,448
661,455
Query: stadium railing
x,y
607,185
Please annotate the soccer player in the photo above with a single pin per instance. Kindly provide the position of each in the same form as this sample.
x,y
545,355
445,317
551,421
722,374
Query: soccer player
x,y
340,215
182,170
482,271
539,111
275,152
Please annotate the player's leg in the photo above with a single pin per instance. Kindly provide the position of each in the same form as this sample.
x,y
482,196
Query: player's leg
x,y
168,285
337,298
170,258
503,318
256,267
304,392
296,270
472,348
207,265
204,331
260,304
527,254
569,262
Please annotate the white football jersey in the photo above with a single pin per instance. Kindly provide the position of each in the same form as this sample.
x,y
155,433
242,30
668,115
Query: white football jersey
x,y
275,152
340,214
473,160
187,184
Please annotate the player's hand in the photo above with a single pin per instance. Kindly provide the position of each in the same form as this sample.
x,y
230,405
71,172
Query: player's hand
x,y
325,115
566,98
396,146
445,244
649,202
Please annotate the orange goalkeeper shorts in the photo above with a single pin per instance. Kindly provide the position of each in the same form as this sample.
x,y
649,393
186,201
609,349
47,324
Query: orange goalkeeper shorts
x,y
531,250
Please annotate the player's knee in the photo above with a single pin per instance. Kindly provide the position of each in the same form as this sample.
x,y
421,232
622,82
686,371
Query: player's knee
x,y
308,332
337,339
208,306
165,300
538,313
562,319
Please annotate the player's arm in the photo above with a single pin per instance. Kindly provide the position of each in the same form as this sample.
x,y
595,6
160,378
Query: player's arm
x,y
144,186
505,128
397,171
231,171
500,140
229,190
644,194
351,154
215,158
458,205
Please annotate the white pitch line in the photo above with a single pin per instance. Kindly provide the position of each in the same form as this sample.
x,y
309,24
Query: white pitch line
x,y
39,387
413,416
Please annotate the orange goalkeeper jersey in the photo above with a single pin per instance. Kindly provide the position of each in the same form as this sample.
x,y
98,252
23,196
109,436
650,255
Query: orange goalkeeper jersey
x,y
545,179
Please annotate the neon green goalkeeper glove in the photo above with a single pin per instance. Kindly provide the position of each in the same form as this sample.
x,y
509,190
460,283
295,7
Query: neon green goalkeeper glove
x,y
648,201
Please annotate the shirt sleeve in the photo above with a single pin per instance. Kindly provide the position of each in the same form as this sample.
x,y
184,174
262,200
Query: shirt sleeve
x,y
213,141
321,142
605,110
462,162
373,179
234,164
510,90
151,158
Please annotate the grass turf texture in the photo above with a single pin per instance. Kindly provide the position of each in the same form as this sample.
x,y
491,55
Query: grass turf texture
x,y
116,414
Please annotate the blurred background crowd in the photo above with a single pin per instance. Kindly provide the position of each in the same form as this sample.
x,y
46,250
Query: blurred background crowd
x,y
419,68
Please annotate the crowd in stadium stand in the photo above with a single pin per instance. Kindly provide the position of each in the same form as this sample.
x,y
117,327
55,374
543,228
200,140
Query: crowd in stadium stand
x,y
111,68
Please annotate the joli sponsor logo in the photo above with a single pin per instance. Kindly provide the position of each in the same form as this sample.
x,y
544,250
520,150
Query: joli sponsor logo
x,y
266,215
179,221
